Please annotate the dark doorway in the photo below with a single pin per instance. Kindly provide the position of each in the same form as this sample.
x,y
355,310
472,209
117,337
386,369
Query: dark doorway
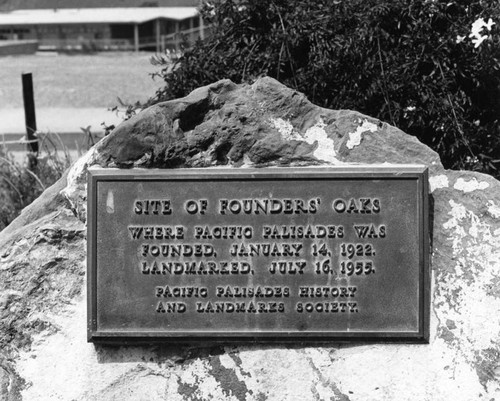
x,y
122,31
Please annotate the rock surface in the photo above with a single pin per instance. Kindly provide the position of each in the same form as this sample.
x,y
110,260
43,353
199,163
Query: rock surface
x,y
44,354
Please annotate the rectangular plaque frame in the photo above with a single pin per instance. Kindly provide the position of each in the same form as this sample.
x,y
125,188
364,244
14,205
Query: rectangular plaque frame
x,y
351,178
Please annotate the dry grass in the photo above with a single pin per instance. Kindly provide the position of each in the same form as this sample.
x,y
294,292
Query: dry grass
x,y
21,184
77,81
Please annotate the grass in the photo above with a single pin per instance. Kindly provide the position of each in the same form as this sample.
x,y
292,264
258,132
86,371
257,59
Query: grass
x,y
21,184
77,81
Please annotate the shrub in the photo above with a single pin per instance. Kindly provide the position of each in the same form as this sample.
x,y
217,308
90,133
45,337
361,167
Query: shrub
x,y
408,62
20,185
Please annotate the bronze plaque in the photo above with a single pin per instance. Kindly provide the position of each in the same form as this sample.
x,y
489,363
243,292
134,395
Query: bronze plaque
x,y
261,254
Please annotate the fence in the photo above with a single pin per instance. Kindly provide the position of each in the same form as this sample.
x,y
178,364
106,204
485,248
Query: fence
x,y
171,42
85,44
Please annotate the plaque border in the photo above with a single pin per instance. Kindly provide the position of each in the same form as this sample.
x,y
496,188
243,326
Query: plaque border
x,y
382,172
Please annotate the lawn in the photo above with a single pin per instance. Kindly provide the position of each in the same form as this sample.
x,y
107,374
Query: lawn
x,y
78,81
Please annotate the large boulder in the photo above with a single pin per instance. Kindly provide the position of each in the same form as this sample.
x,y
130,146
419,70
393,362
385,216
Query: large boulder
x,y
44,354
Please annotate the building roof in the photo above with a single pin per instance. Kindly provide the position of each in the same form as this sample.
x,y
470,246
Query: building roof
x,y
9,5
128,15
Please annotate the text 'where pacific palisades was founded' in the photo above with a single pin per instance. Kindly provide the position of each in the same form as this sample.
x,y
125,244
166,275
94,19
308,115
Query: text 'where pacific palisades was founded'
x,y
276,254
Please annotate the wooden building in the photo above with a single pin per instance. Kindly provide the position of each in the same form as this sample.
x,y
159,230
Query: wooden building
x,y
103,28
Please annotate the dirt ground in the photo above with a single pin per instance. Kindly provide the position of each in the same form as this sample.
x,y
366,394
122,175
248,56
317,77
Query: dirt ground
x,y
78,81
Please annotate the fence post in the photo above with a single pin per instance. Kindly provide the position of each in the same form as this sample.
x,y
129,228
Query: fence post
x,y
157,35
30,118
136,38
177,37
202,28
